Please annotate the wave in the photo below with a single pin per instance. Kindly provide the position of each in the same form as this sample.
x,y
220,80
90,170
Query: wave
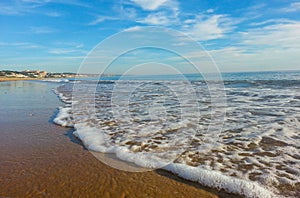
x,y
256,155
214,179
55,80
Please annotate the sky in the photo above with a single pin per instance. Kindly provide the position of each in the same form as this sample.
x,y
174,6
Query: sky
x,y
239,35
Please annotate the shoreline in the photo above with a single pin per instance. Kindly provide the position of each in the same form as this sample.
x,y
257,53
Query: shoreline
x,y
3,79
40,158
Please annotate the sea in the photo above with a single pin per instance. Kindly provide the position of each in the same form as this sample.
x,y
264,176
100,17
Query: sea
x,y
239,133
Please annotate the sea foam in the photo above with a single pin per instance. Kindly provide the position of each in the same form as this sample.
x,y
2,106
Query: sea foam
x,y
256,154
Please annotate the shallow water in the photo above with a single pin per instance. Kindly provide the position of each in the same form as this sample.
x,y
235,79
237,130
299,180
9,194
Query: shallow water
x,y
154,123
41,159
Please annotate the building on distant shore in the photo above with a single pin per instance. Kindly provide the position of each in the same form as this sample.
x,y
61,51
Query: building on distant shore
x,y
20,76
35,73
38,74
15,75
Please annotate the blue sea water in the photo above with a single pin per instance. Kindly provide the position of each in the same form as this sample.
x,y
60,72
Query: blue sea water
x,y
240,132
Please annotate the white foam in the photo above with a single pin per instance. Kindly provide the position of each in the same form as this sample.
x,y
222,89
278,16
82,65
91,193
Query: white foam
x,y
63,117
96,141
239,144
218,180
56,80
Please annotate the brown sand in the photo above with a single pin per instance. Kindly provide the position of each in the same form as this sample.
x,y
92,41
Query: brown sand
x,y
40,159
4,79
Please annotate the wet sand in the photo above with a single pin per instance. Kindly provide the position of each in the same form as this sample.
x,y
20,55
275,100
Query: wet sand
x,y
40,159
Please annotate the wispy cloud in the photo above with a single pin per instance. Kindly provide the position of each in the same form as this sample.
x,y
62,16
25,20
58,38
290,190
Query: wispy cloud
x,y
201,27
159,12
66,2
35,1
254,12
238,59
293,7
70,48
209,27
124,12
283,35
19,7
270,21
133,29
53,14
119,12
160,18
101,19
8,10
22,7
273,46
69,44
61,51
24,45
150,5
210,11
42,30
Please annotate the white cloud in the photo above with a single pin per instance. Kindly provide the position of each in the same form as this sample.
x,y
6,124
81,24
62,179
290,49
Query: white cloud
x,y
53,14
133,29
150,4
180,43
275,45
63,47
41,30
101,19
271,21
235,59
159,18
69,44
8,10
285,35
21,7
189,21
61,51
210,11
36,1
164,12
293,7
211,27
272,47
25,45
199,27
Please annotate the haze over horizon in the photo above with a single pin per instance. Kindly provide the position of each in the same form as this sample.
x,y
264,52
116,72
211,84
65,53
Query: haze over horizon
x,y
56,35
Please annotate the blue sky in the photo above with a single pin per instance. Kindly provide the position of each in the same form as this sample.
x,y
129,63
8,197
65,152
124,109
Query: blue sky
x,y
240,35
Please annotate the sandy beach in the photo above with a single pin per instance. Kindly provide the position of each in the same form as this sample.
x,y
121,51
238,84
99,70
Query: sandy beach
x,y
41,159
4,79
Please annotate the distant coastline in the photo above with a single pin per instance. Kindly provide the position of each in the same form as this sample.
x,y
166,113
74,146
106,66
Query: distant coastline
x,y
9,75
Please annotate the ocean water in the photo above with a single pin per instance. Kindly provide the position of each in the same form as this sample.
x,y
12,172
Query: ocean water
x,y
242,137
